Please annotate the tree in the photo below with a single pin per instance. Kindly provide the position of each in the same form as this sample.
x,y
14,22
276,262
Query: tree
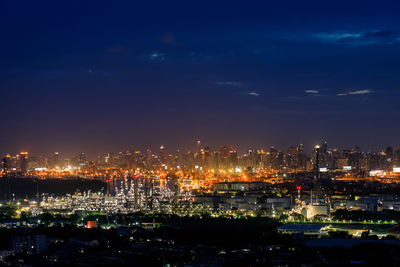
x,y
7,213
24,216
75,218
283,217
320,217
46,218
298,216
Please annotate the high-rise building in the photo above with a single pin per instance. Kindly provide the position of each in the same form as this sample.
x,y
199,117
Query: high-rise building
x,y
228,157
23,161
389,158
316,163
396,158
301,157
82,160
55,161
5,163
162,155
198,146
292,157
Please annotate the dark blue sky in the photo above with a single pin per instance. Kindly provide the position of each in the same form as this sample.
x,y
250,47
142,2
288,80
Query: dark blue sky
x,y
96,76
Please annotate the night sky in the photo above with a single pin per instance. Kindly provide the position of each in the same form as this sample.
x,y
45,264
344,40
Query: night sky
x,y
99,76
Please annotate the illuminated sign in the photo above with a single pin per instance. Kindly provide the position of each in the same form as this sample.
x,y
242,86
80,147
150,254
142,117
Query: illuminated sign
x,y
376,172
323,169
347,168
396,169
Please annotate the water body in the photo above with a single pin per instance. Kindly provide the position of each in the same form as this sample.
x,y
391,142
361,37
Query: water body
x,y
27,187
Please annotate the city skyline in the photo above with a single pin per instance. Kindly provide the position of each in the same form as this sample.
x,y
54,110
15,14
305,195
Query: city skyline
x,y
323,158
194,148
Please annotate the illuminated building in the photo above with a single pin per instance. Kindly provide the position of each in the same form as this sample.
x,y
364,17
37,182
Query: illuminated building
x,y
316,162
91,224
23,161
238,186
82,160
198,146
315,209
55,161
389,153
5,163
292,158
227,157
162,155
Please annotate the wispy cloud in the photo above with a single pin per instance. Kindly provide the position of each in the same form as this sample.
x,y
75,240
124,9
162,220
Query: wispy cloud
x,y
311,91
357,92
335,36
254,94
157,56
230,83
381,37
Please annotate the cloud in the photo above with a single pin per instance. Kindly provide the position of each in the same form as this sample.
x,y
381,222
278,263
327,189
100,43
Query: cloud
x,y
254,94
230,83
335,36
157,56
381,37
357,92
379,34
311,91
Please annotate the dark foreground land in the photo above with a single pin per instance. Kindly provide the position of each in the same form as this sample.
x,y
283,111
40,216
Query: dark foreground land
x,y
192,242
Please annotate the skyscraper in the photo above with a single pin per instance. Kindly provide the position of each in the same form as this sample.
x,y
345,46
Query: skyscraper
x,y
162,155
55,162
23,161
82,160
